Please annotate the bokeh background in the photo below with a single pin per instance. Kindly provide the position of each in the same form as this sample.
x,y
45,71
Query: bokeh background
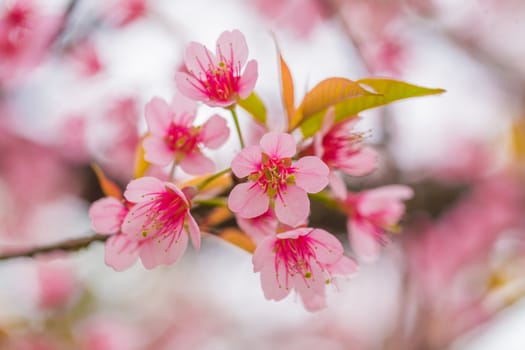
x,y
74,79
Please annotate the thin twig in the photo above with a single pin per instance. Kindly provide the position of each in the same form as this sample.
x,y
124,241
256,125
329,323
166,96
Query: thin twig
x,y
71,245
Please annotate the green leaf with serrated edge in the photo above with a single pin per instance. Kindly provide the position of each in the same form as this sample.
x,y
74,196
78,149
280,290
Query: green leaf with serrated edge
x,y
253,105
387,90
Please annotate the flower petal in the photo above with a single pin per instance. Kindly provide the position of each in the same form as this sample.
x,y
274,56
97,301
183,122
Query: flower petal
x,y
156,151
197,163
312,174
248,79
138,190
278,145
190,86
264,254
195,232
214,132
344,266
275,283
247,161
360,163
120,252
337,185
199,59
158,116
232,47
184,110
162,251
293,206
106,215
248,200
363,240
328,249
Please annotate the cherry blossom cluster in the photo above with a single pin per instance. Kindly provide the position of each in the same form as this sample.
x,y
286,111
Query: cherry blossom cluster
x,y
274,179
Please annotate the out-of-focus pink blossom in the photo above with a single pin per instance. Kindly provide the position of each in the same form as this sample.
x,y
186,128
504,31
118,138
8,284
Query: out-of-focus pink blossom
x,y
274,180
100,333
304,260
217,79
124,12
57,284
174,138
158,221
85,57
341,148
25,34
371,214
115,145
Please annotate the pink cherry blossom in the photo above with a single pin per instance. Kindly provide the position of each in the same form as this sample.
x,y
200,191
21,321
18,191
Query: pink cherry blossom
x,y
217,79
371,214
303,259
274,180
158,221
107,215
174,138
341,148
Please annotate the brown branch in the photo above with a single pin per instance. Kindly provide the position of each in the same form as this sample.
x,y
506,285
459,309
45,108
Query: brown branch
x,y
64,246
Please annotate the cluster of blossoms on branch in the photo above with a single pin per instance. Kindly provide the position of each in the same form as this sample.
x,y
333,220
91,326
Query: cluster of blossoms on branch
x,y
270,180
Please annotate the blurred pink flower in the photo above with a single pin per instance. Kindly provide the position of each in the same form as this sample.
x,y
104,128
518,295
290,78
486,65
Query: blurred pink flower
x,y
341,148
273,180
158,221
173,137
304,259
124,12
57,284
86,59
217,79
371,214
25,34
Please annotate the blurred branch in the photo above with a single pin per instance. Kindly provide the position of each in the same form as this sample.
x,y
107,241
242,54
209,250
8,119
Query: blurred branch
x,y
72,245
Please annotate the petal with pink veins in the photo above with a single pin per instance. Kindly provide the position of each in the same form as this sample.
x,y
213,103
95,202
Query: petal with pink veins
x,y
214,132
184,109
328,249
120,252
278,145
247,161
293,206
190,87
360,163
197,163
311,174
199,59
138,190
232,47
248,200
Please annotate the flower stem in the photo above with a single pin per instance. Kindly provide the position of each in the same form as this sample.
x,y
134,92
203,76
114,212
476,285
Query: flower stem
x,y
210,178
211,202
237,126
172,171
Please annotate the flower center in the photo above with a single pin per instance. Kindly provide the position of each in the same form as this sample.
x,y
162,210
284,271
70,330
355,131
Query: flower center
x,y
274,175
182,139
340,144
221,82
296,255
164,215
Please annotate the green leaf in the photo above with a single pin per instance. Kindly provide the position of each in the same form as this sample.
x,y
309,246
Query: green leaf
x,y
386,91
253,105
328,93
